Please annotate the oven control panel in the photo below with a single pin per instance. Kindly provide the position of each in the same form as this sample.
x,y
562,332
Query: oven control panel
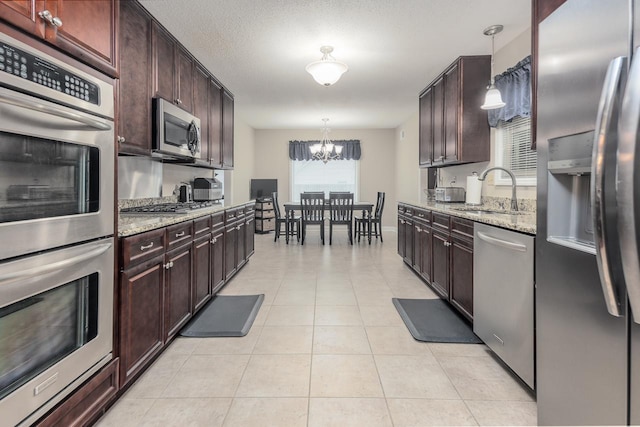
x,y
24,65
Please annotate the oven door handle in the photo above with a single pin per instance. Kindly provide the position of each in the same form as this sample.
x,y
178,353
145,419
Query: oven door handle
x,y
37,106
54,266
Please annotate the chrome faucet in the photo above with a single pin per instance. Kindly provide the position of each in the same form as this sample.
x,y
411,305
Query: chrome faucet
x,y
514,200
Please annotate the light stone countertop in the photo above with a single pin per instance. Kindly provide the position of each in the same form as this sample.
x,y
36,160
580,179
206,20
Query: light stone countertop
x,y
130,224
523,222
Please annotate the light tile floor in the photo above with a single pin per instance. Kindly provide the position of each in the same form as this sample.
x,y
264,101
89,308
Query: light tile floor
x,y
327,349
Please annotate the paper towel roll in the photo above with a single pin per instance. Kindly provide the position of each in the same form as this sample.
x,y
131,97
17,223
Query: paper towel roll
x,y
474,190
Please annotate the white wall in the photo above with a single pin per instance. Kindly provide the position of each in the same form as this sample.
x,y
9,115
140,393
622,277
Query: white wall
x,y
377,164
406,167
236,182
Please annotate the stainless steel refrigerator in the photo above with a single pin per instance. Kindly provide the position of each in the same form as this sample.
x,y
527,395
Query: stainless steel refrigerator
x,y
587,274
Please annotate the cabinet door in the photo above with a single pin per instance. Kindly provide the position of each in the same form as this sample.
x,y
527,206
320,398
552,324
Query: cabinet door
x,y
24,14
462,276
201,108
184,68
178,286
215,124
134,108
201,271
408,242
417,247
426,128
227,130
163,64
141,319
451,113
242,240
401,237
217,261
438,121
230,251
426,252
88,31
250,233
440,264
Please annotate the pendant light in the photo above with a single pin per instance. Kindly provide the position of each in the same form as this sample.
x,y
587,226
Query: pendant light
x,y
493,99
327,71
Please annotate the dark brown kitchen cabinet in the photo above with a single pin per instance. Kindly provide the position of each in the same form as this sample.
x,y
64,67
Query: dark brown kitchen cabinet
x,y
141,319
408,241
440,263
86,30
202,248
426,127
401,237
462,266
134,85
201,109
178,285
250,231
215,124
230,250
217,260
426,252
184,88
422,243
227,130
241,255
459,128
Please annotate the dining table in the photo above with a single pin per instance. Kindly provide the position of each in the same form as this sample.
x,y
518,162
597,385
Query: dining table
x,y
365,207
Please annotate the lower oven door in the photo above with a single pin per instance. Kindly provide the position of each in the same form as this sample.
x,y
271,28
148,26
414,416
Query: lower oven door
x,y
56,326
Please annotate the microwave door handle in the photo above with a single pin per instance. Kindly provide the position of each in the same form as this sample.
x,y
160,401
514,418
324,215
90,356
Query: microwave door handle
x,y
628,133
37,106
54,266
604,141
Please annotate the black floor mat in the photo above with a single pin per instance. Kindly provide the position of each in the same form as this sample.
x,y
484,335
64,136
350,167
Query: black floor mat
x,y
225,316
432,320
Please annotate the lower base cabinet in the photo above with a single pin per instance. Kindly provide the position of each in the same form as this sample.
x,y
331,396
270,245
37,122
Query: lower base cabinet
x,y
217,260
178,289
202,248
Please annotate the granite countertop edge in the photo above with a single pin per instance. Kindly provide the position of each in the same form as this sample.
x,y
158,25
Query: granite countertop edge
x,y
129,224
525,222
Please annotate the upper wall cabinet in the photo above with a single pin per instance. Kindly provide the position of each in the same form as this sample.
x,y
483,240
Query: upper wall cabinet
x,y
84,29
453,128
227,130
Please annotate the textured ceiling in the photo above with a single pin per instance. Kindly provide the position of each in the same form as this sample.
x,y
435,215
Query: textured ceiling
x,y
394,48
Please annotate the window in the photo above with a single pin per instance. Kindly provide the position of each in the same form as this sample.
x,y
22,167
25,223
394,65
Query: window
x,y
513,152
335,175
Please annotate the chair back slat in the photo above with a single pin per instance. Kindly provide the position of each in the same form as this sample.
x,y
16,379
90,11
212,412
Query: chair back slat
x,y
341,206
312,206
276,205
379,205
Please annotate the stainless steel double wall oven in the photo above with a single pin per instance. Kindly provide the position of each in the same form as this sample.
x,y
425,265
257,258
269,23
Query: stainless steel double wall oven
x,y
56,229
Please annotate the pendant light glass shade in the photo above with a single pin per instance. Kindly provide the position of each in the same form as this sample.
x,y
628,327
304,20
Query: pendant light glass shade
x,y
327,71
493,99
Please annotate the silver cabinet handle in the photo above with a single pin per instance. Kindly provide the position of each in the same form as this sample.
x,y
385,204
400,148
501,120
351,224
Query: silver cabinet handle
x,y
182,233
178,101
418,229
121,139
44,269
214,241
53,20
149,246
628,133
402,221
604,146
37,106
500,242
168,265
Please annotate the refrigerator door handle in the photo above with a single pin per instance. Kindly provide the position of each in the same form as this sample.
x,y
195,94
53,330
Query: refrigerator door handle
x,y
628,134
606,119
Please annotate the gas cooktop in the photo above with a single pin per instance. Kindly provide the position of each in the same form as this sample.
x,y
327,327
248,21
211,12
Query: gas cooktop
x,y
168,208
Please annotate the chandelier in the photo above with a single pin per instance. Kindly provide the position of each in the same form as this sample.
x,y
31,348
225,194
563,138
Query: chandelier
x,y
325,150
327,71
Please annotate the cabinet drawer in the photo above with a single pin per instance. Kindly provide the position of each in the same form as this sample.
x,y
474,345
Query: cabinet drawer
x,y
422,215
179,234
201,226
231,215
264,205
461,228
408,211
249,209
217,220
141,247
441,221
401,209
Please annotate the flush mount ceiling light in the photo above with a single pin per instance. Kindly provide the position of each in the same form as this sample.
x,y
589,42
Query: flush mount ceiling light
x,y
327,71
326,150
493,99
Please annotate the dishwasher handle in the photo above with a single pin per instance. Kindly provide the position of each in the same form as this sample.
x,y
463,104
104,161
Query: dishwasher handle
x,y
500,242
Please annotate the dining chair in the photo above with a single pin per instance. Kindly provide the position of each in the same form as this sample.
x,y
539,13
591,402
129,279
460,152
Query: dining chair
x,y
291,222
341,213
365,222
312,209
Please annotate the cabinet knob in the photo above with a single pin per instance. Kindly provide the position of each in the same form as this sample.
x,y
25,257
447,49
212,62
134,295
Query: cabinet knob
x,y
53,20
178,101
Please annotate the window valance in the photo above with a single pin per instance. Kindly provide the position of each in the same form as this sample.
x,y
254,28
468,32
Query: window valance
x,y
301,150
515,87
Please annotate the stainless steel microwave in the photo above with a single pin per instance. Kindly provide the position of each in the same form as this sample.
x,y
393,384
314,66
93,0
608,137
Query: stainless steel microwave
x,y
176,131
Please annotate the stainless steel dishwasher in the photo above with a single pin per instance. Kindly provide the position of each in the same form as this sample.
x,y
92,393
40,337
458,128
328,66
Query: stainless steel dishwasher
x,y
503,296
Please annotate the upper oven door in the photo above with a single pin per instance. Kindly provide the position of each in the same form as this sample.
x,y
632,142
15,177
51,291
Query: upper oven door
x,y
56,175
